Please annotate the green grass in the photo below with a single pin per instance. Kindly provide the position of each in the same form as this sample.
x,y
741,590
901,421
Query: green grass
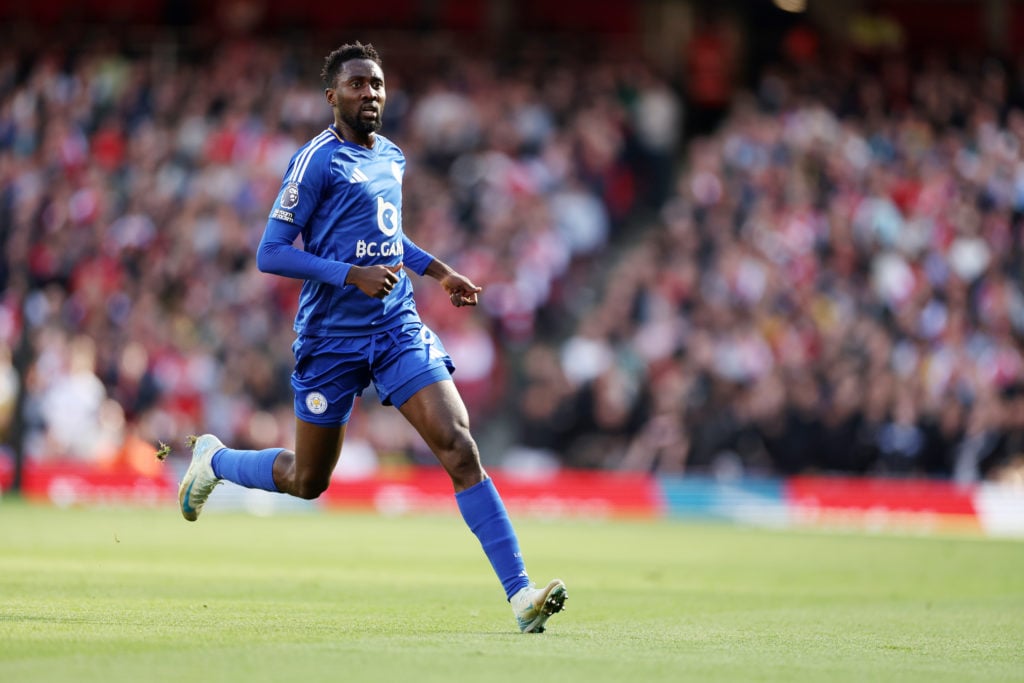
x,y
142,596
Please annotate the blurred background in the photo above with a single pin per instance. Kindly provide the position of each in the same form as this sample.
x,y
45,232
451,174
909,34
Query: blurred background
x,y
730,239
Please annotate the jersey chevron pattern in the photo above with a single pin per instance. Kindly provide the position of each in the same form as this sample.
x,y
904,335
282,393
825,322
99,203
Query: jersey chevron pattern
x,y
346,201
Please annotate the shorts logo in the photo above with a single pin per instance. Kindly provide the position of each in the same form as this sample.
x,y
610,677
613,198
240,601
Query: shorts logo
x,y
316,402
290,196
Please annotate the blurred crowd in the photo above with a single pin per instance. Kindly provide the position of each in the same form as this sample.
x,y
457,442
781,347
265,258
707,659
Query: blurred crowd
x,y
135,188
835,285
826,279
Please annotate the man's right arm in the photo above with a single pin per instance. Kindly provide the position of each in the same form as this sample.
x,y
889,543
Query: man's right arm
x,y
278,255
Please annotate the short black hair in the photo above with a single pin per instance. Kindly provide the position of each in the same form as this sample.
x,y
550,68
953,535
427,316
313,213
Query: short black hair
x,y
347,52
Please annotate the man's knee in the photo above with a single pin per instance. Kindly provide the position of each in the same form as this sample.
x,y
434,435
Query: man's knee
x,y
310,487
462,459
291,480
457,440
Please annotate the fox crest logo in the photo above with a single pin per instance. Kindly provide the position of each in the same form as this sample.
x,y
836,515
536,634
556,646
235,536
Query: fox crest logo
x,y
316,402
387,217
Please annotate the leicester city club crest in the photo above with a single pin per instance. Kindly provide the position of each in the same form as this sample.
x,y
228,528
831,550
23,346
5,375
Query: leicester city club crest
x,y
316,402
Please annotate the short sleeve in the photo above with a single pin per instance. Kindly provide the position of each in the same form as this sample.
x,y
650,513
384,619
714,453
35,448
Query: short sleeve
x,y
303,183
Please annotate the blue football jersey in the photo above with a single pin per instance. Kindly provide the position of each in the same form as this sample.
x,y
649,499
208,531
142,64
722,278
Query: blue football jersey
x,y
346,202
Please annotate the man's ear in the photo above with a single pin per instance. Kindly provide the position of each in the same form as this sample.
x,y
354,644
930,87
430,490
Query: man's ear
x,y
329,94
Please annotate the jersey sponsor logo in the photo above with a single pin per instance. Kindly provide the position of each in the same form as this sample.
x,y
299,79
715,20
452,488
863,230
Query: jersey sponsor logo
x,y
316,402
396,170
290,196
372,249
282,215
387,217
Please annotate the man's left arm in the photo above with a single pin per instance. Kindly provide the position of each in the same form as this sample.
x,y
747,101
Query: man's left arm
x,y
460,288
415,259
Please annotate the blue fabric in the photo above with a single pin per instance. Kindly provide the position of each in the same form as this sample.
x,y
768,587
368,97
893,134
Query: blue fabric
x,y
485,514
346,203
331,371
252,469
416,258
437,373
277,255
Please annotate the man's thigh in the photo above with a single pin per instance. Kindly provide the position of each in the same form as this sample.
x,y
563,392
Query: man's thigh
x,y
317,448
408,359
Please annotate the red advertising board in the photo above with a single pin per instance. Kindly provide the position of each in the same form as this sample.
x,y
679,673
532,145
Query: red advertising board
x,y
559,494
67,484
881,503
870,504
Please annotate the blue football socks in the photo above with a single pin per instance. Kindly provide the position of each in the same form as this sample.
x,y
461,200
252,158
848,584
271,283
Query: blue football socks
x,y
485,514
252,469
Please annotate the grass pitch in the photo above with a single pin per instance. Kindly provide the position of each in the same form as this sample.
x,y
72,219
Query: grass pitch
x,y
142,596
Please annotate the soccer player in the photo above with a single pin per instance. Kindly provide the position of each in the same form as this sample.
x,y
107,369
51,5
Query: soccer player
x,y
357,322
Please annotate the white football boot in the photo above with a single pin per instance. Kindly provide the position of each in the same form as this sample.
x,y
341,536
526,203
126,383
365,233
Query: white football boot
x,y
199,480
532,606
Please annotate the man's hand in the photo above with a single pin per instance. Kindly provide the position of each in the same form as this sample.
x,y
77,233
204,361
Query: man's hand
x,y
375,281
461,290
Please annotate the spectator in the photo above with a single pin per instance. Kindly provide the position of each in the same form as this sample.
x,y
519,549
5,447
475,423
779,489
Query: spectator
x,y
830,280
134,188
846,293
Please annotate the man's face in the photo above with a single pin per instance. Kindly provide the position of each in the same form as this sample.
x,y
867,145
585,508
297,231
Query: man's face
x,y
358,96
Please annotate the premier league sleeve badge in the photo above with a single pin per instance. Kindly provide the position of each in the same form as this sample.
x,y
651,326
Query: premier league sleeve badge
x,y
290,196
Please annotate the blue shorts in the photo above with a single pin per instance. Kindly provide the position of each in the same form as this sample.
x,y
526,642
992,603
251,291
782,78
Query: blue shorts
x,y
331,371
